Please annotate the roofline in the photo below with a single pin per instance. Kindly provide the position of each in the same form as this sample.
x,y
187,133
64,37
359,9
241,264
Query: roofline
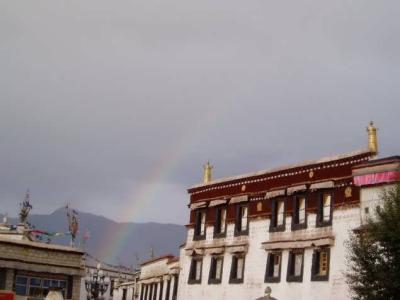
x,y
380,161
108,269
166,256
51,247
283,168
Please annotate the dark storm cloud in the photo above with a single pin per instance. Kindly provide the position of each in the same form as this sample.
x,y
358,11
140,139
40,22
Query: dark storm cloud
x,y
112,105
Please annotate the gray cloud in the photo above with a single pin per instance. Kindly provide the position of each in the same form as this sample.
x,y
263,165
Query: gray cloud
x,y
116,105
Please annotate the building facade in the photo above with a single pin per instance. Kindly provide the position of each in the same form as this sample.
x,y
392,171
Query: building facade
x,y
284,228
114,276
157,280
30,268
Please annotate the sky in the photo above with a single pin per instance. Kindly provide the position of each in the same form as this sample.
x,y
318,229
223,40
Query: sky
x,y
114,106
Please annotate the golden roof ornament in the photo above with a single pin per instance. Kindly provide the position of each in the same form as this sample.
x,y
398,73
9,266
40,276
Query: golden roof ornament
x,y
372,138
207,172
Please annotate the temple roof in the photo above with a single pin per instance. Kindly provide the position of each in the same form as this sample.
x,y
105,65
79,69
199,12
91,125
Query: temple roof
x,y
306,163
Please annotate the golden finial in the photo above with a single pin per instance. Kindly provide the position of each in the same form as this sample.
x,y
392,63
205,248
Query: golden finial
x,y
207,172
372,139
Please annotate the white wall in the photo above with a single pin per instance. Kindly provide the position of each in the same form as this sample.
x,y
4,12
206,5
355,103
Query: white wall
x,y
256,259
371,198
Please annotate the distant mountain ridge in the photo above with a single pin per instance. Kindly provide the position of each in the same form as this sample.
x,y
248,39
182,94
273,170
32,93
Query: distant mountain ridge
x,y
132,241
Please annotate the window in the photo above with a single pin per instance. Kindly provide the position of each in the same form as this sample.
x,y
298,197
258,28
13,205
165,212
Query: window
x,y
237,269
324,215
216,270
278,215
299,220
167,292
175,288
273,271
2,279
142,292
195,270
220,222
112,287
295,266
124,291
21,284
37,287
200,226
241,222
320,264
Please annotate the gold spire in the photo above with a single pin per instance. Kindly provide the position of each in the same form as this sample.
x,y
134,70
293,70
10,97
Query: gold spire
x,y
372,139
207,172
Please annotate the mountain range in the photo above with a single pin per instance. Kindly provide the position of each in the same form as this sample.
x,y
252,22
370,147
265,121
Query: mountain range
x,y
115,243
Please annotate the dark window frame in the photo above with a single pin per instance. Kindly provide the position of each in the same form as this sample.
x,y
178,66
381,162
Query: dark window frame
x,y
320,210
2,279
146,290
213,266
192,271
151,291
273,225
112,282
197,236
217,222
290,277
270,265
296,212
238,220
315,265
175,287
142,292
168,290
232,276
124,293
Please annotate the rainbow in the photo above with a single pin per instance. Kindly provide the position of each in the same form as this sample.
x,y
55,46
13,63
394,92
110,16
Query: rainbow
x,y
112,243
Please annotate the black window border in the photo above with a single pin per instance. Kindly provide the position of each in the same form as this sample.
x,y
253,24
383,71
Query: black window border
x,y
238,216
314,274
289,276
213,265
299,226
278,228
216,234
192,274
199,237
267,277
233,280
320,213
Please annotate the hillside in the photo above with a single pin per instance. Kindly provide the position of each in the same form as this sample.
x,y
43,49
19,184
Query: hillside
x,y
113,242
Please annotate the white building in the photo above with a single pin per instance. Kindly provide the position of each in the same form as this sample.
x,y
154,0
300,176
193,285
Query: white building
x,y
114,276
284,228
158,280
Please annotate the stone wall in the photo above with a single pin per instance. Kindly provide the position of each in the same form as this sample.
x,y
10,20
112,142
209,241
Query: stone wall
x,y
40,259
36,257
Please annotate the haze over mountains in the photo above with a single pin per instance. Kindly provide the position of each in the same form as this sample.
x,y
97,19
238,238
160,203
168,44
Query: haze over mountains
x,y
113,242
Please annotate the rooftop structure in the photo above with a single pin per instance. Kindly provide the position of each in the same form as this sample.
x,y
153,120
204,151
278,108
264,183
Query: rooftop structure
x,y
281,229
